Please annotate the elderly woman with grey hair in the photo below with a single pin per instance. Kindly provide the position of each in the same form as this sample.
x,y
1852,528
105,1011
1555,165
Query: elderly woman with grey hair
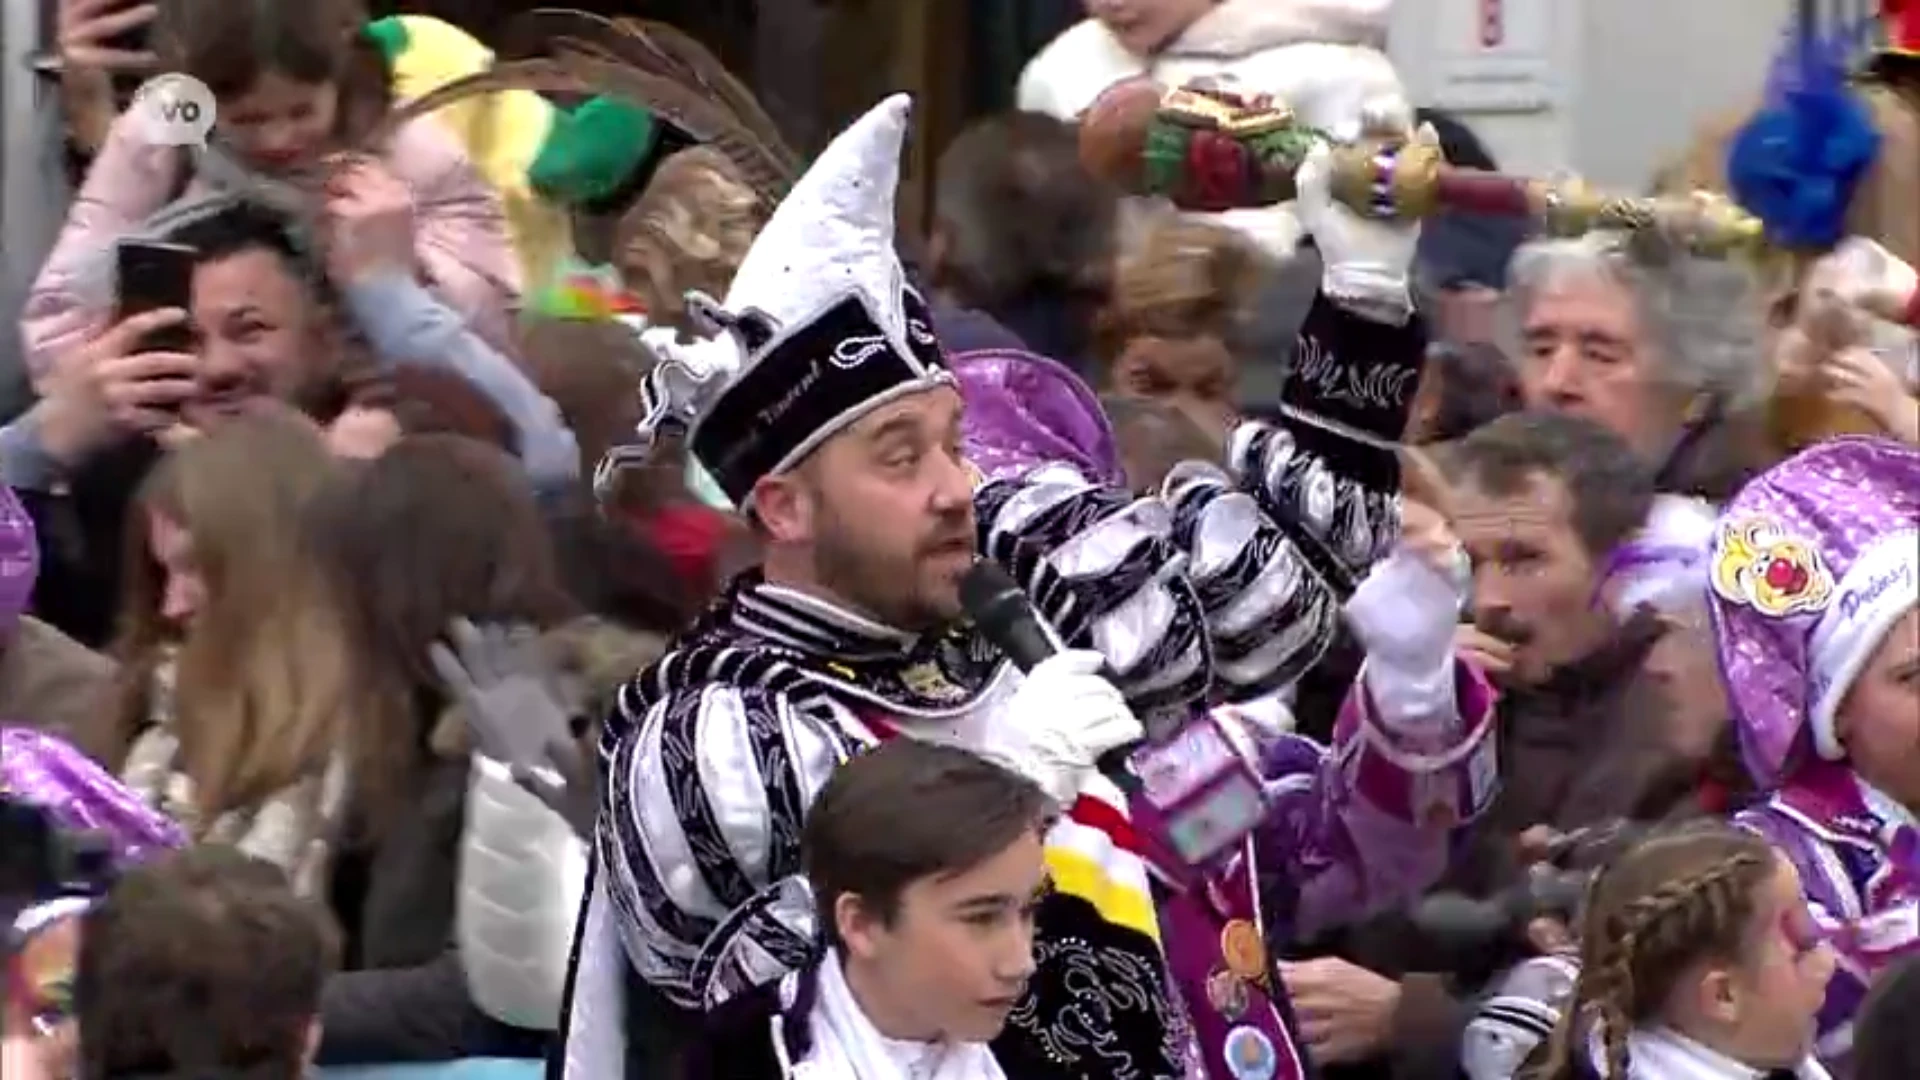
x,y
1667,349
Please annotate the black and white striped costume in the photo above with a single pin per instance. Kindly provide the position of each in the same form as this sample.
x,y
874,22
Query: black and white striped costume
x,y
717,750
1226,587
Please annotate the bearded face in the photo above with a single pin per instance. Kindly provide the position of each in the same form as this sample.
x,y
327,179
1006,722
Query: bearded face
x,y
882,513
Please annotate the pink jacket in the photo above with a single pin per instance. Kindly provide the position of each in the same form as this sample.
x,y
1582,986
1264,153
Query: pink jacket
x,y
460,234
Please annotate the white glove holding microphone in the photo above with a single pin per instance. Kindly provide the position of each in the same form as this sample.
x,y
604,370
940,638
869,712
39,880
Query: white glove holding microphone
x,y
1367,261
1068,714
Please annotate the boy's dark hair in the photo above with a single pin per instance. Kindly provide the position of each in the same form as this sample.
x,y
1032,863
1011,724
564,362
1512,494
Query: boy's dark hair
x,y
910,810
1886,1040
1019,213
202,961
1609,485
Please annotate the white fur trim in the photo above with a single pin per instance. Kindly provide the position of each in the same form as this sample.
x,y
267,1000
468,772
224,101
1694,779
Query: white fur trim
x,y
1681,531
1881,585
40,916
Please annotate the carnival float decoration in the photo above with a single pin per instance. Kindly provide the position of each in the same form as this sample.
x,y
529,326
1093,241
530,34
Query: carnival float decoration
x,y
641,62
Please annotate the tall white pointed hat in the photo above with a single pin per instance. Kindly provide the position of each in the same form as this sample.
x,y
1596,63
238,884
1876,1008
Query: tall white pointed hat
x,y
819,327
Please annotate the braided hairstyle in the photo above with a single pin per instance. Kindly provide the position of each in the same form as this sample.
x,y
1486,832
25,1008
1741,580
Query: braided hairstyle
x,y
1676,898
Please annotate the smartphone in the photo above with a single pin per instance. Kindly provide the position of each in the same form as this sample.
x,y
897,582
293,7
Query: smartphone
x,y
155,275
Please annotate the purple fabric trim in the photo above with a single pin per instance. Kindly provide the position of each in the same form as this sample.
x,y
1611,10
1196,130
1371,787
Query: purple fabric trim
x,y
1191,927
1333,849
19,558
1635,556
1849,859
79,795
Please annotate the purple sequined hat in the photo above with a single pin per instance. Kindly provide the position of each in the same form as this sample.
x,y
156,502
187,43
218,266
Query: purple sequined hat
x,y
79,795
1024,410
1812,563
19,558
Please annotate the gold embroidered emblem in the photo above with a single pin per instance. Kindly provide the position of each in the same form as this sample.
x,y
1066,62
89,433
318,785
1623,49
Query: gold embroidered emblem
x,y
927,680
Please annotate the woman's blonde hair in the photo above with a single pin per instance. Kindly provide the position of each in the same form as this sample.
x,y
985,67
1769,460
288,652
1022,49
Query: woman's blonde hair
x,y
688,231
264,684
1678,897
1182,279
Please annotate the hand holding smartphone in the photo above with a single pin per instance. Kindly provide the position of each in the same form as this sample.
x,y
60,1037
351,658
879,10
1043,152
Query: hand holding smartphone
x,y
154,275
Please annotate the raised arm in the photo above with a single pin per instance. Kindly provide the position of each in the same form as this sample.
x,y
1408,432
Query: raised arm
x,y
460,233
129,181
1368,822
370,217
406,324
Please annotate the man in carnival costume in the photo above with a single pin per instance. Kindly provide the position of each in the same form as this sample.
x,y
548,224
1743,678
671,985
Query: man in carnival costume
x,y
1816,602
825,408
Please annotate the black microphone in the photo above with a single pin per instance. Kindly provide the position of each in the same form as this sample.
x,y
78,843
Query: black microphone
x,y
1000,608
1005,615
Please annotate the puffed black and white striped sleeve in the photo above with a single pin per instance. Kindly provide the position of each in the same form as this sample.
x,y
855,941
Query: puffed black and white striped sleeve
x,y
1343,514
1271,615
1101,563
699,837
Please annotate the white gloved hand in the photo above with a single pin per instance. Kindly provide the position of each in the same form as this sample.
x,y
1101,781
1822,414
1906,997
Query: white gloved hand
x,y
1367,262
1405,615
1068,714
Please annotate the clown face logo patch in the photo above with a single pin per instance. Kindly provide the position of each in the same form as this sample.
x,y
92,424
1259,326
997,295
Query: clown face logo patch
x,y
1756,563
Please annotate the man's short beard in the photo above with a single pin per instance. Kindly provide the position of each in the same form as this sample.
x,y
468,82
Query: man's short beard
x,y
850,574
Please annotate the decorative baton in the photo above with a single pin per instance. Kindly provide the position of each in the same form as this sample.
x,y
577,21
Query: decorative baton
x,y
1211,149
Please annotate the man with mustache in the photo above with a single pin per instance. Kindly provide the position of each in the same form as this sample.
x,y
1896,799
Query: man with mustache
x,y
1541,501
1541,504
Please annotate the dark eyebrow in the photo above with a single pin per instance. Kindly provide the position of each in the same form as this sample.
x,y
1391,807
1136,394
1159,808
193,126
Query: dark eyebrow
x,y
997,901
900,427
986,902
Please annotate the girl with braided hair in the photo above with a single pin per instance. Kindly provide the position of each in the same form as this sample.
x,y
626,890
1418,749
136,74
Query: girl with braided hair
x,y
1698,962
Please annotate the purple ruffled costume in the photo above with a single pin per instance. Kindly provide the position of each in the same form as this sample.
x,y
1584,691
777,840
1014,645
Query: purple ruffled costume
x,y
1812,561
79,795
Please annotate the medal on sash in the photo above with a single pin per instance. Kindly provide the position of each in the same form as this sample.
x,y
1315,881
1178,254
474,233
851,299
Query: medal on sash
x,y
1228,994
1243,951
1250,1054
